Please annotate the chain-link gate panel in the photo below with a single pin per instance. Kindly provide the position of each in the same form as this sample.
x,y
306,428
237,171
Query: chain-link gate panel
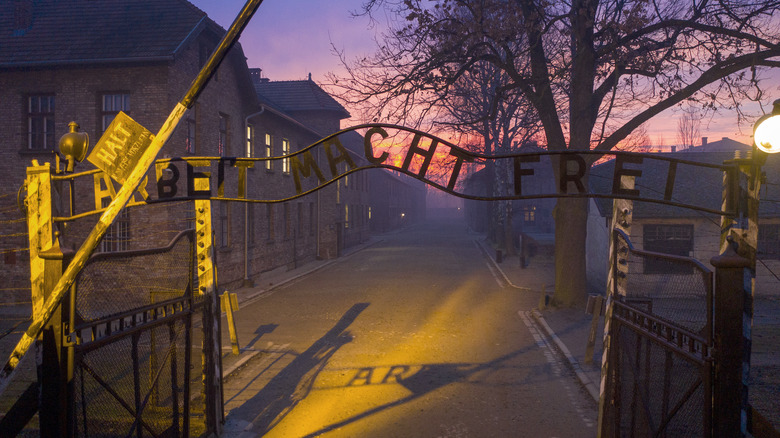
x,y
661,363
134,372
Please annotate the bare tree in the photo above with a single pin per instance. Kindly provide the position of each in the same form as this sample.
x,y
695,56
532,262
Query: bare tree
x,y
688,127
475,106
593,72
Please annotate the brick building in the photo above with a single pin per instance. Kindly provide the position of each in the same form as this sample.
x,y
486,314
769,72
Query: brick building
x,y
140,56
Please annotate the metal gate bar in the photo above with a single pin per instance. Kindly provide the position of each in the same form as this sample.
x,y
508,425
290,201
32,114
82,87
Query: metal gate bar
x,y
649,345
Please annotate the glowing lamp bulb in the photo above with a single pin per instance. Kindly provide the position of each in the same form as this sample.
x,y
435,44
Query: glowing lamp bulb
x,y
767,134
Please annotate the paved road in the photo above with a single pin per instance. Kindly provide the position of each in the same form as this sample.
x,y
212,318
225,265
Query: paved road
x,y
412,337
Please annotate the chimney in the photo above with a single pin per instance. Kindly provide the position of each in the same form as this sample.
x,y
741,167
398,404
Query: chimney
x,y
704,141
674,148
256,74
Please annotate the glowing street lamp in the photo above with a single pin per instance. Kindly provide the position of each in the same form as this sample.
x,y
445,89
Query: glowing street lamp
x,y
766,131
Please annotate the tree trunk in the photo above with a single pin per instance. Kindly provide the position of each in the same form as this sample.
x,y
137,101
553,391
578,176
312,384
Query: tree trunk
x,y
571,222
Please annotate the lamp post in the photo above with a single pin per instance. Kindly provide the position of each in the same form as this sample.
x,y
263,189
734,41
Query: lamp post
x,y
734,282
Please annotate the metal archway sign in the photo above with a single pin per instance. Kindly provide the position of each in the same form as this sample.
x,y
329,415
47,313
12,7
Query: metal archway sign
x,y
412,152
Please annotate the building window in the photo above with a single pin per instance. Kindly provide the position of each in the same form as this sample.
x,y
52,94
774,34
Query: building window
x,y
299,228
269,219
189,142
667,239
285,151
250,138
224,225
269,152
346,216
117,236
189,215
311,218
40,122
529,214
223,135
250,222
112,104
768,241
287,225
204,53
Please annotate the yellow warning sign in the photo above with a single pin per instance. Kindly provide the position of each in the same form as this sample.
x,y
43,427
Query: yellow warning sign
x,y
120,148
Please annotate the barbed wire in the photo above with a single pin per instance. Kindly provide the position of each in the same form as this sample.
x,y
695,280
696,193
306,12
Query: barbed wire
x,y
6,251
13,235
12,221
14,303
16,326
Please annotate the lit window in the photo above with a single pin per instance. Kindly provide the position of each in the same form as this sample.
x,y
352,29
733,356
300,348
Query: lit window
x,y
529,214
249,141
285,151
269,151
112,104
40,122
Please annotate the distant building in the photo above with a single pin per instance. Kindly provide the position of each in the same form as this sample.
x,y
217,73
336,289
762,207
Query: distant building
x,y
531,218
681,231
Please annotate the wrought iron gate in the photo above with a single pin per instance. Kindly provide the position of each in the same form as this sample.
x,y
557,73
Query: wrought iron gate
x,y
660,363
133,336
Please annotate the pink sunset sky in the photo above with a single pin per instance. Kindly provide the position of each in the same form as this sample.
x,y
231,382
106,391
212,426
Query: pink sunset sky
x,y
289,39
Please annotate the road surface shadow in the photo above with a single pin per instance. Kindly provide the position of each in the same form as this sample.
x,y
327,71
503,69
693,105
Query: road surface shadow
x,y
262,330
285,390
428,379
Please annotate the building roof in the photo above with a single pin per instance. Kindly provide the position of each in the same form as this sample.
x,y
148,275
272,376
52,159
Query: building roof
x,y
295,96
693,184
56,32
725,144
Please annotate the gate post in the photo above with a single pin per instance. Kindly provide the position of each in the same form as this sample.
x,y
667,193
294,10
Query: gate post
x,y
207,290
47,263
728,387
741,196
54,372
622,216
39,227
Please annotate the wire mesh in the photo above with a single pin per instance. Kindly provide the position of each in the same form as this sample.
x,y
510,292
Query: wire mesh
x,y
659,365
112,283
142,373
675,289
661,393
